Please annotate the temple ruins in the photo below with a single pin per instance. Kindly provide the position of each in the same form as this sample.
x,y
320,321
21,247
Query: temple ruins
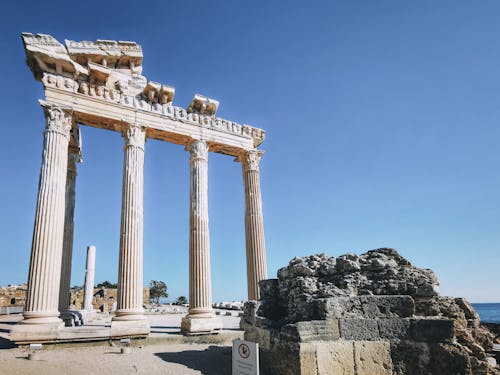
x,y
100,84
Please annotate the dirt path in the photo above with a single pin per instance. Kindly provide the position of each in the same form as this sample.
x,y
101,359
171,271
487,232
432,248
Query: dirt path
x,y
182,359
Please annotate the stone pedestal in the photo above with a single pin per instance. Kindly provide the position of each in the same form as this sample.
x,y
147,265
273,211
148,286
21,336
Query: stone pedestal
x,y
41,317
254,223
201,317
130,319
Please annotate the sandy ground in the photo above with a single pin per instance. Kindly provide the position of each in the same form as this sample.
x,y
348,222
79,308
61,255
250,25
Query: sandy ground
x,y
164,352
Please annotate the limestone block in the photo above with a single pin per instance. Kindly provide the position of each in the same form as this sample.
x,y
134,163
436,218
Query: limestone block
x,y
372,358
194,326
130,328
25,333
335,358
268,288
259,335
308,364
432,330
283,359
250,311
271,309
392,329
387,306
337,307
420,358
313,330
359,329
409,357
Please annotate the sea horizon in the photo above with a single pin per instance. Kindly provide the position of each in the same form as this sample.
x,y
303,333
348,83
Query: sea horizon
x,y
489,312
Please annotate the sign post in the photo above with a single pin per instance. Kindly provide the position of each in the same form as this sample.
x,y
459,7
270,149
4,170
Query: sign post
x,y
245,357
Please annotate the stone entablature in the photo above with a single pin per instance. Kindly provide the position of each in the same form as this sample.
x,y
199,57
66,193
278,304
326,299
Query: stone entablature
x,y
81,74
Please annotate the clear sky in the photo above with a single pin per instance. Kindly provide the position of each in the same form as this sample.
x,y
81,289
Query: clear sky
x,y
382,120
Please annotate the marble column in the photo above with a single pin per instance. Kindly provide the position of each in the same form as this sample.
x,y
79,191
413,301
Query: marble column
x,y
254,223
41,315
201,317
88,292
130,317
74,157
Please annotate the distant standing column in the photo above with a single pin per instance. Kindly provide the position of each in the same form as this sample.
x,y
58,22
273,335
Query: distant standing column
x,y
46,251
201,317
130,272
74,157
254,223
89,279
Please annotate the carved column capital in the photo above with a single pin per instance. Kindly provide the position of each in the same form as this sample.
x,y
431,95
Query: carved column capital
x,y
250,160
135,136
57,119
198,150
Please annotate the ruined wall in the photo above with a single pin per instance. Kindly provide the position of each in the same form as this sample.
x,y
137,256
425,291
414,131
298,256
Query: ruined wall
x,y
103,298
13,296
364,315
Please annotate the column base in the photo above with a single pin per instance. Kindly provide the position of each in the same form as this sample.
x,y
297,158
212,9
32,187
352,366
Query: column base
x,y
30,332
88,315
203,325
127,326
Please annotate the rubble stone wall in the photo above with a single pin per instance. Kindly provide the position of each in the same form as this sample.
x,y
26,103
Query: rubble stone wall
x,y
103,298
364,315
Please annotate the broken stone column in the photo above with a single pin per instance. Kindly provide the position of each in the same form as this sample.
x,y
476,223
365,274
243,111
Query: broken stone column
x,y
41,316
88,293
254,223
201,317
130,319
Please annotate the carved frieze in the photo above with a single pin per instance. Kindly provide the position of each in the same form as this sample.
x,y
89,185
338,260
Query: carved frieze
x,y
110,71
143,102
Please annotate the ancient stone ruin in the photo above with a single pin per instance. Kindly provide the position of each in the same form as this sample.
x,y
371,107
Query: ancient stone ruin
x,y
364,315
100,84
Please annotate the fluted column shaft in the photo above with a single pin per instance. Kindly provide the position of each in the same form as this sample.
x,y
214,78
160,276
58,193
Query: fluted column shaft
x,y
130,272
67,253
200,289
254,223
46,251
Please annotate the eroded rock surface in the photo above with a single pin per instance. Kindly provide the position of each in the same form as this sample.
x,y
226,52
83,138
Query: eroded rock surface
x,y
369,314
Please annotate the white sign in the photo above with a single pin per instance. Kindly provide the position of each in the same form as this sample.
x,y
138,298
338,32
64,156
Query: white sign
x,y
245,357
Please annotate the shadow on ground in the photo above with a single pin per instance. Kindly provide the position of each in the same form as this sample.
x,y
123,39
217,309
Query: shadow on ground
x,y
215,360
6,344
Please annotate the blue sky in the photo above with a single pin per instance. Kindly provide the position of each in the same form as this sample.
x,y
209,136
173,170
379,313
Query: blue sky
x,y
382,120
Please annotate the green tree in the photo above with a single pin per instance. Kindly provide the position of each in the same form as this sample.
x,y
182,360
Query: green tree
x,y
157,289
107,284
181,300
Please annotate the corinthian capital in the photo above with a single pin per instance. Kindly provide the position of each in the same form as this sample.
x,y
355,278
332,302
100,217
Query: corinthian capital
x,y
251,160
135,136
198,149
57,119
